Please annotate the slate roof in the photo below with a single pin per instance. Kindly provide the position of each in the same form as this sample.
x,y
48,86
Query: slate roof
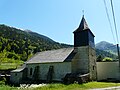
x,y
83,25
59,55
19,69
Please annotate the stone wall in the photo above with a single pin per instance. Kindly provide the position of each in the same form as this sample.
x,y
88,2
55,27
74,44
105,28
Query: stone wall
x,y
80,61
108,70
59,70
16,77
92,64
84,61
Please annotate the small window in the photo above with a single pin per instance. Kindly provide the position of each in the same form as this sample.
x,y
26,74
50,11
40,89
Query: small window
x,y
30,71
93,67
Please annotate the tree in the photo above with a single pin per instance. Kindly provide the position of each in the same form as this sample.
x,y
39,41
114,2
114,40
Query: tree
x,y
24,56
13,56
8,47
107,59
99,58
0,46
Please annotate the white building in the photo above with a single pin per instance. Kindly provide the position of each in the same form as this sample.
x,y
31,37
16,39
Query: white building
x,y
54,65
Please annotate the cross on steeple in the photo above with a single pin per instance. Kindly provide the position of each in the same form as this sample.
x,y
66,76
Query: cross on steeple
x,y
83,12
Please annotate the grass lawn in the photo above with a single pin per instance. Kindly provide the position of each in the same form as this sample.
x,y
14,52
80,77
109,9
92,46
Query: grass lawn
x,y
5,87
85,86
5,66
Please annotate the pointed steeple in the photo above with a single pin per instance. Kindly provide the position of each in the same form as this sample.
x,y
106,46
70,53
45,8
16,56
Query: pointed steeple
x,y
83,25
83,35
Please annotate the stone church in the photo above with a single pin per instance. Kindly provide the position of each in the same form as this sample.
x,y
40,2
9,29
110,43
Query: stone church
x,y
54,65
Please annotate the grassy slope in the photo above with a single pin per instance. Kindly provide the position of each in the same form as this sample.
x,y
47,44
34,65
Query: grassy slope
x,y
67,87
77,86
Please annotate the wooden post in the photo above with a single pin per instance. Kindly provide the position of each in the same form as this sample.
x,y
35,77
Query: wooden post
x,y
118,55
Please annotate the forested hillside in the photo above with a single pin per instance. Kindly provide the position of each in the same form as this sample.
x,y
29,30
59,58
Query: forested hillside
x,y
105,54
106,46
16,44
106,49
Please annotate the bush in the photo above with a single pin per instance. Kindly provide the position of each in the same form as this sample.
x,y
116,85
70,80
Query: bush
x,y
107,59
2,82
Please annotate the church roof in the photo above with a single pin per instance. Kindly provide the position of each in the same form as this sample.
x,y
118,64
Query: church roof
x,y
83,25
59,55
19,69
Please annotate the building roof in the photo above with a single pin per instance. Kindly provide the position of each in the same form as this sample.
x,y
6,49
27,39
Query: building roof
x,y
83,25
19,69
59,55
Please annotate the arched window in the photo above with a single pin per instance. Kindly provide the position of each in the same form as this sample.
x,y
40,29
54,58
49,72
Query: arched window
x,y
31,70
50,73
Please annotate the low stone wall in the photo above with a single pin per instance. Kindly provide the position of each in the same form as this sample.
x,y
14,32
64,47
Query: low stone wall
x,y
108,71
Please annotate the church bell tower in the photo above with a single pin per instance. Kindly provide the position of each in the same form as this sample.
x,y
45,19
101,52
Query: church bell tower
x,y
85,58
83,35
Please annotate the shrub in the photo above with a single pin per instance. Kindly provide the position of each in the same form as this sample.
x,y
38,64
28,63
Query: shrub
x,y
107,59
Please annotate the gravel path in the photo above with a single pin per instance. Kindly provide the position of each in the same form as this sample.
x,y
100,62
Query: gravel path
x,y
22,86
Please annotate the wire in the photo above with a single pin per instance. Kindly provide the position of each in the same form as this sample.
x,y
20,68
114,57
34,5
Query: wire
x,y
114,21
109,21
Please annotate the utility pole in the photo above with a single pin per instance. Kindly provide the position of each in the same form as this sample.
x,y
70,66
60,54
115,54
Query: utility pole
x,y
118,55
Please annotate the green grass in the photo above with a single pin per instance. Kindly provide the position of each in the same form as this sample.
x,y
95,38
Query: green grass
x,y
76,86
6,87
5,66
85,86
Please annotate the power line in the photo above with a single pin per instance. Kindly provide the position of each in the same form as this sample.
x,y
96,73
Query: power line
x,y
114,21
109,21
116,33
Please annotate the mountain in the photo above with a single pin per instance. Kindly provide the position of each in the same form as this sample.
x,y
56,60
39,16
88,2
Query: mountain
x,y
39,35
18,44
105,54
106,46
106,49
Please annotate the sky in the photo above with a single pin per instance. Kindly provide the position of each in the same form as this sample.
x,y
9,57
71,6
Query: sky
x,y
58,19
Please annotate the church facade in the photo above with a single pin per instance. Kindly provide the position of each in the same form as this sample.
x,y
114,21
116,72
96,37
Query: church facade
x,y
54,65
